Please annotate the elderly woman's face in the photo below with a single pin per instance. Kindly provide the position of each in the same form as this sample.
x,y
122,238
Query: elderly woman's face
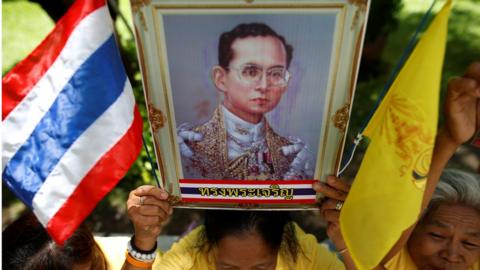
x,y
448,238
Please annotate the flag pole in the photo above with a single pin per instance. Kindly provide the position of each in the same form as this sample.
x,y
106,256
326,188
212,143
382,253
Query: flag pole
x,y
406,52
151,161
124,20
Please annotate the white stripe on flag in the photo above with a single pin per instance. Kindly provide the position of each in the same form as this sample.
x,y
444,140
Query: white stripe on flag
x,y
295,197
79,159
95,28
246,185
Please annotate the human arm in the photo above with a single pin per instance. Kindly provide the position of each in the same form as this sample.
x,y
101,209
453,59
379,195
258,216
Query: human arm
x,y
148,209
335,191
462,111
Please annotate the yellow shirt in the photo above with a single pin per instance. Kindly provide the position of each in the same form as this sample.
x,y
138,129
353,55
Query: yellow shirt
x,y
114,250
403,261
184,255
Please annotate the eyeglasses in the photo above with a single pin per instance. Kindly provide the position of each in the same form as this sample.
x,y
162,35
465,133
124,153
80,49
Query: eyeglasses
x,y
253,74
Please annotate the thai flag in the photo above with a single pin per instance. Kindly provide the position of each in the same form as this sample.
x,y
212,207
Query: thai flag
x,y
71,129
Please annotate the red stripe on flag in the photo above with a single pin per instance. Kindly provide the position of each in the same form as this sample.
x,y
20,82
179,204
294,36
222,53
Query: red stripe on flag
x,y
102,178
246,182
21,79
206,200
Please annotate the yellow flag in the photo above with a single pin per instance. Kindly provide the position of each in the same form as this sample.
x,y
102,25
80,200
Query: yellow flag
x,y
386,196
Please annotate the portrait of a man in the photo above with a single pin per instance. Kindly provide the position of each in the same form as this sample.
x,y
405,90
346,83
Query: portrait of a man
x,y
248,103
238,142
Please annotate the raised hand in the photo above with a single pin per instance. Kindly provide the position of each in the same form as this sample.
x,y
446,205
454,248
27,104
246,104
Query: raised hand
x,y
148,209
462,109
335,192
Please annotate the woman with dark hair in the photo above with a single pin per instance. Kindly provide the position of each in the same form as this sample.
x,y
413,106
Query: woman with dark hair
x,y
263,240
26,245
244,228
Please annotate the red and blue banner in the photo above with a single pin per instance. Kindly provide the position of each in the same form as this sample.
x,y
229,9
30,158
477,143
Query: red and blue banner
x,y
71,129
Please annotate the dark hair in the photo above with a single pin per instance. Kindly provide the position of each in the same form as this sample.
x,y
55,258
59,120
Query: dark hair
x,y
225,52
27,246
276,228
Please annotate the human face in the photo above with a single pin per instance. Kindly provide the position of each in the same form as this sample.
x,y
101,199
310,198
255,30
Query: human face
x,y
251,101
245,252
448,238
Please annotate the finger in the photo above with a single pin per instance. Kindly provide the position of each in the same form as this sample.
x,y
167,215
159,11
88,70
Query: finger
x,y
151,196
162,205
461,87
317,186
152,210
142,217
142,190
291,149
143,221
338,184
133,200
329,191
299,161
190,135
473,71
295,140
331,205
149,190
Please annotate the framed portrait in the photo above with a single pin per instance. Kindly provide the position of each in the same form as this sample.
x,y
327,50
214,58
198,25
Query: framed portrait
x,y
248,100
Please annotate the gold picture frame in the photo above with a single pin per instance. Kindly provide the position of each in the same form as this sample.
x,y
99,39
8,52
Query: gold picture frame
x,y
294,129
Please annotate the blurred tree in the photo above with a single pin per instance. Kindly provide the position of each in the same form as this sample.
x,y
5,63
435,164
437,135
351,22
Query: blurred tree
x,y
382,20
54,9
385,40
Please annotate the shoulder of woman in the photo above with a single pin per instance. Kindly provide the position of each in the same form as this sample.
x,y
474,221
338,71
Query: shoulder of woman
x,y
183,254
113,248
313,253
401,260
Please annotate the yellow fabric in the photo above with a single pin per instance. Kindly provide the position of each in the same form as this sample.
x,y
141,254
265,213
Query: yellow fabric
x,y
386,196
403,261
114,250
184,255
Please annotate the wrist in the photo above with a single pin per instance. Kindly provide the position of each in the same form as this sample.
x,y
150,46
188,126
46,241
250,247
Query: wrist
x,y
446,142
140,257
341,251
447,139
144,243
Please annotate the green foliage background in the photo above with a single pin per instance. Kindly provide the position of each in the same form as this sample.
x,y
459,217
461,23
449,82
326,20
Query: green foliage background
x,y
391,24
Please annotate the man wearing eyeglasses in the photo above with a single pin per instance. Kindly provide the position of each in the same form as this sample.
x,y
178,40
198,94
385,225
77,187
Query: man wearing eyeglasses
x,y
238,142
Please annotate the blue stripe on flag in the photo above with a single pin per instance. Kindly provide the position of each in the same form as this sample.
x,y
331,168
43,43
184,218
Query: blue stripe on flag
x,y
92,89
